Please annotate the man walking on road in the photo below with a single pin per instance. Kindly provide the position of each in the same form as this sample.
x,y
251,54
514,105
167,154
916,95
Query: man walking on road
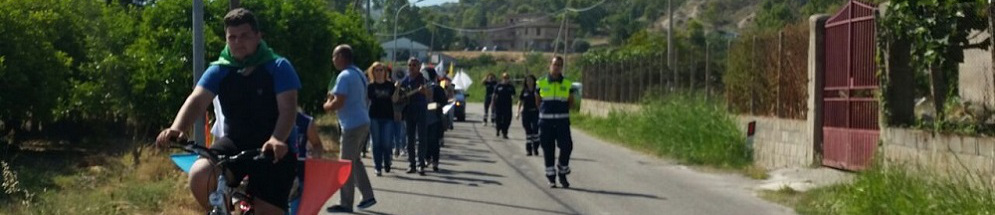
x,y
501,105
348,98
555,99
416,91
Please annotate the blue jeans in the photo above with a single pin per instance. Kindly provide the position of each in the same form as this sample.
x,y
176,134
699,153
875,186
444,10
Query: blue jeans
x,y
382,134
400,138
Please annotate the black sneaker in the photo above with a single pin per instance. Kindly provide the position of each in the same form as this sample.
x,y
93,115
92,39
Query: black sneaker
x,y
563,181
551,176
411,170
421,171
338,209
378,172
435,166
387,169
367,203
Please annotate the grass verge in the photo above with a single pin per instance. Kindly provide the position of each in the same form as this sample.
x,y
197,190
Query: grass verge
x,y
101,184
92,178
684,126
893,190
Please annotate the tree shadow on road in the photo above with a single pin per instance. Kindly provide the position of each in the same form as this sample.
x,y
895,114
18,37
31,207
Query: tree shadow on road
x,y
536,210
615,193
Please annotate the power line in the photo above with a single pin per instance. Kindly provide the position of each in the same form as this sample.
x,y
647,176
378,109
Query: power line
x,y
402,33
586,8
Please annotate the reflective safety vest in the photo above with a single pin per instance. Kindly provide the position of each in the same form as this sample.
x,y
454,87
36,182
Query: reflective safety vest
x,y
555,98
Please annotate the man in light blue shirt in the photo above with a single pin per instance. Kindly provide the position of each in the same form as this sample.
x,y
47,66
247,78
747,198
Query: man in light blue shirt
x,y
348,99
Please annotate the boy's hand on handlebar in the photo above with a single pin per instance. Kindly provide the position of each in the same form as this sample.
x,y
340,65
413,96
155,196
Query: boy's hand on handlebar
x,y
168,135
277,147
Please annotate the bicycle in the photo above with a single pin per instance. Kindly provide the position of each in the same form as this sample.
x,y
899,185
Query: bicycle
x,y
228,192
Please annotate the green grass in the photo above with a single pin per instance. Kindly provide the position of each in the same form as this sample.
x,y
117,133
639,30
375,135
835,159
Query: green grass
x,y
113,185
106,179
894,191
684,126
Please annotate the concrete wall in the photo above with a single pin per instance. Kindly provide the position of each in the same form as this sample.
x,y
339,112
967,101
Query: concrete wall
x,y
941,153
600,108
780,143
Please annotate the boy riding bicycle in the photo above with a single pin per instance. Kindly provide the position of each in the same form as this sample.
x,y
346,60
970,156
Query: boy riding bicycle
x,y
257,90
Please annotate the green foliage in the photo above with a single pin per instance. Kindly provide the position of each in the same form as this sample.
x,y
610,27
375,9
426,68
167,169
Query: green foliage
x,y
95,62
482,60
820,6
774,14
33,58
938,32
683,125
892,190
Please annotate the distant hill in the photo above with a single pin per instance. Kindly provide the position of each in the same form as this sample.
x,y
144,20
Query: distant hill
x,y
615,20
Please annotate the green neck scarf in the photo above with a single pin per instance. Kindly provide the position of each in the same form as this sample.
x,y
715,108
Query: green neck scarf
x,y
263,54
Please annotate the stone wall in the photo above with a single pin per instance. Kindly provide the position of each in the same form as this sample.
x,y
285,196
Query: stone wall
x,y
780,143
942,153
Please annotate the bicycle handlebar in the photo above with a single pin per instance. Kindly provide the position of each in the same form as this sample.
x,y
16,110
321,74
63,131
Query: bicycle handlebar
x,y
193,147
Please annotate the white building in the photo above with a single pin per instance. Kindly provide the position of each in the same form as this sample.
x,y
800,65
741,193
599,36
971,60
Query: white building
x,y
404,48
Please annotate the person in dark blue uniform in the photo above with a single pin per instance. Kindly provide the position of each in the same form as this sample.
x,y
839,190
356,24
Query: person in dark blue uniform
x,y
528,111
504,92
555,99
490,81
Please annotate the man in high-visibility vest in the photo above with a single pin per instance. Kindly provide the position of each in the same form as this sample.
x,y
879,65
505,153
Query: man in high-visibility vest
x,y
555,99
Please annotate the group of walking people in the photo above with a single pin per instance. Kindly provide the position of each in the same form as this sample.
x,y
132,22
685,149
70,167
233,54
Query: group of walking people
x,y
254,91
544,109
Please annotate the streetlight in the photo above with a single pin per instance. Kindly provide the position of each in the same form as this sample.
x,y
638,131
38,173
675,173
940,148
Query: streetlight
x,y
398,13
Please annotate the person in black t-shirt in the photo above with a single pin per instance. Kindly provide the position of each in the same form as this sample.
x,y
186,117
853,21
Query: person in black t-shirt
x,y
381,94
489,82
528,110
503,95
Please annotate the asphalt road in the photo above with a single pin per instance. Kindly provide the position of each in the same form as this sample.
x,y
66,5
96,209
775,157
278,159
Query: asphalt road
x,y
484,174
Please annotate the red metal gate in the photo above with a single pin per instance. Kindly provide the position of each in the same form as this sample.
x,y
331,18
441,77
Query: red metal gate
x,y
850,110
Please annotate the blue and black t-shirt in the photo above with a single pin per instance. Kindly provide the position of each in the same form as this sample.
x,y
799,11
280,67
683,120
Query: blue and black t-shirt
x,y
249,100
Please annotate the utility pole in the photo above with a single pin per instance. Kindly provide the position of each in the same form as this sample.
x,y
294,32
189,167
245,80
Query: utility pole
x,y
198,61
367,21
670,35
991,38
708,77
